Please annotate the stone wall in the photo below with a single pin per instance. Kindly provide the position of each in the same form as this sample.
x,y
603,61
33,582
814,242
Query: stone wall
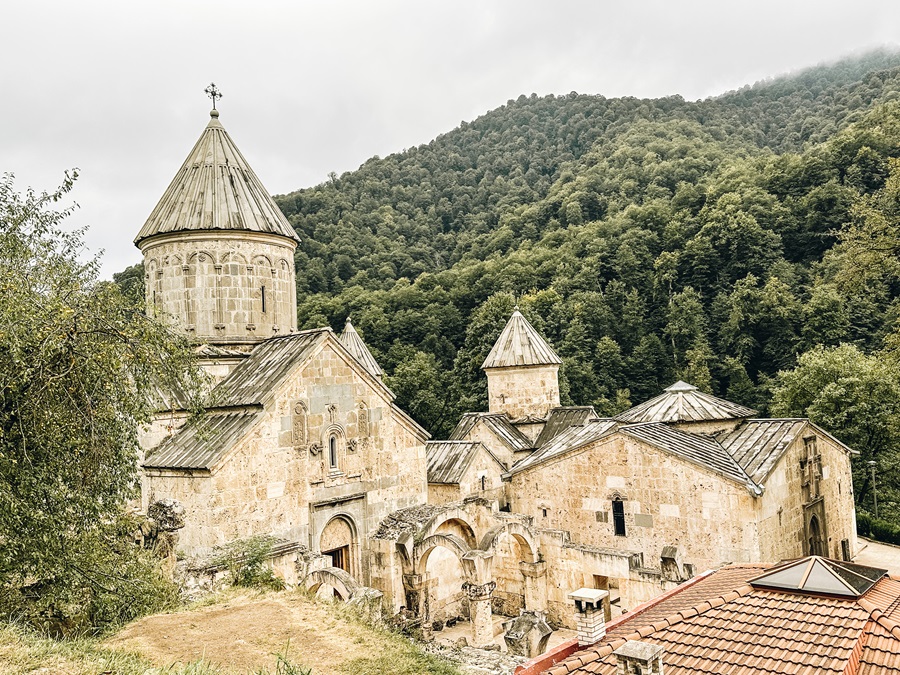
x,y
782,513
666,502
523,391
222,286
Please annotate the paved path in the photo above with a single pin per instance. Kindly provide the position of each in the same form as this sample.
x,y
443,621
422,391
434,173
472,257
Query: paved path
x,y
876,554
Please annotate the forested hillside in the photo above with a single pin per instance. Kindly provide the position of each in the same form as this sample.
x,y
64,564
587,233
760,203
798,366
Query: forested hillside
x,y
649,240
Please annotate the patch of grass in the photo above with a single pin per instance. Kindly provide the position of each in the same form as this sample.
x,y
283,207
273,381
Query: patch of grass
x,y
410,661
23,651
394,653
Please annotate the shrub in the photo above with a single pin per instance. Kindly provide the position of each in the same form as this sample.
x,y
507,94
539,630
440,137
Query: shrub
x,y
246,562
876,528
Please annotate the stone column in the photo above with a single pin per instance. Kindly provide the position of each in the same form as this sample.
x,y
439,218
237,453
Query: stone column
x,y
480,612
479,588
535,575
414,586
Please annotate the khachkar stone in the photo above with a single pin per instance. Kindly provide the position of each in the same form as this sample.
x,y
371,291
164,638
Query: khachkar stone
x,y
218,252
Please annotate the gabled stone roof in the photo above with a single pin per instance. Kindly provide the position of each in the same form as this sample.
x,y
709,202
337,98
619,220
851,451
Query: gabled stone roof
x,y
355,345
706,626
561,419
201,445
757,445
696,448
215,189
520,344
683,402
448,460
498,424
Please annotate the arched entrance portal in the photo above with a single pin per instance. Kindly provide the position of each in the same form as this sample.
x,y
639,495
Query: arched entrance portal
x,y
816,544
338,540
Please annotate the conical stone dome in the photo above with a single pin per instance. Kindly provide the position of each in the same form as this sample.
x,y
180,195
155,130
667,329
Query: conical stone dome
x,y
218,253
215,189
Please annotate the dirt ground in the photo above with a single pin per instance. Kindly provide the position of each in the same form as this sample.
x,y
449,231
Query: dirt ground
x,y
245,633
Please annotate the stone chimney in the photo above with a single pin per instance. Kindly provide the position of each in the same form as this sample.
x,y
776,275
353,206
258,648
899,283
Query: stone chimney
x,y
589,615
639,658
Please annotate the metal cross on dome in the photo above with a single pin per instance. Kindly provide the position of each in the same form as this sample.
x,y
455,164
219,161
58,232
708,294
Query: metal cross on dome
x,y
213,92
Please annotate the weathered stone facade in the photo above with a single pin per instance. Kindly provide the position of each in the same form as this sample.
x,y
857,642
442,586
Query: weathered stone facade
x,y
523,392
223,287
283,478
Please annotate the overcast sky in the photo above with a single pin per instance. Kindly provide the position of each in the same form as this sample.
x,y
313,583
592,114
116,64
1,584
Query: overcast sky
x,y
116,88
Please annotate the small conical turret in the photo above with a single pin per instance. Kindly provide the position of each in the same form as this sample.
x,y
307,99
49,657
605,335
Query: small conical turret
x,y
355,345
522,371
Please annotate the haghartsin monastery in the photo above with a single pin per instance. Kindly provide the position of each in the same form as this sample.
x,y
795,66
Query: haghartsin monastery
x,y
523,505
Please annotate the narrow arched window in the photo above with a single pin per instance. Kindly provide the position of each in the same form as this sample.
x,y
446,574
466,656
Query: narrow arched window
x,y
262,294
332,451
618,509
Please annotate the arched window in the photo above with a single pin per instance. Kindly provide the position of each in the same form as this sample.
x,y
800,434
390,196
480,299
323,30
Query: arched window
x,y
333,451
618,509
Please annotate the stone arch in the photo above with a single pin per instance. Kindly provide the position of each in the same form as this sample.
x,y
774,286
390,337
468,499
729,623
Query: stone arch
x,y
333,434
343,584
339,539
423,549
202,256
452,521
443,595
523,536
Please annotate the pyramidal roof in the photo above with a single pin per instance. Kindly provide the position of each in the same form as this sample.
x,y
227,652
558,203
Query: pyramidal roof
x,y
215,189
683,402
816,574
520,345
355,345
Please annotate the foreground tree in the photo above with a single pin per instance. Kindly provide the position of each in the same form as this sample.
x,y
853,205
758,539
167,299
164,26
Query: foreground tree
x,y
80,369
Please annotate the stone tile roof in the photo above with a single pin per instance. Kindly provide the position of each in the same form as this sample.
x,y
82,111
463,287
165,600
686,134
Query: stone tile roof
x,y
254,380
448,460
683,402
215,189
201,445
355,345
572,438
561,419
695,448
757,445
520,344
238,399
498,424
748,631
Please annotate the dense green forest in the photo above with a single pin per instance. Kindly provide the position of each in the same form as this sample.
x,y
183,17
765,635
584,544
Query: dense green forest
x,y
721,241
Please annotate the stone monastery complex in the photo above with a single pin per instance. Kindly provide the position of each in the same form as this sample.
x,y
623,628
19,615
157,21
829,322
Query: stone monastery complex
x,y
523,505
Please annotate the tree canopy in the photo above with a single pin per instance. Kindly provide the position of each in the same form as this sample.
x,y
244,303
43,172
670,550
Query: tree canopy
x,y
80,369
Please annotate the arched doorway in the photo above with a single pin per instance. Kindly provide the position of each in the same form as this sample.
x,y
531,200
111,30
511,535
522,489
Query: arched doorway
x,y
338,540
816,543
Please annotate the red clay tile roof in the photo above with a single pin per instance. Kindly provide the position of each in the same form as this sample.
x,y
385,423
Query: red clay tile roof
x,y
719,624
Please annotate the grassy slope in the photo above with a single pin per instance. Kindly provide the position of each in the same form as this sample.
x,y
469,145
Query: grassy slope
x,y
150,645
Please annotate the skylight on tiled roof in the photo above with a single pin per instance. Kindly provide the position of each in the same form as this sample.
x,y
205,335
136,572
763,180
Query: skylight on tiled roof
x,y
817,575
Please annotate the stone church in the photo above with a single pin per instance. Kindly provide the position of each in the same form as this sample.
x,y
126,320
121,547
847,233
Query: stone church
x,y
523,503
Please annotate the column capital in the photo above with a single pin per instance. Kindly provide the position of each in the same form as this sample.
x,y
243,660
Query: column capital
x,y
534,570
479,591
